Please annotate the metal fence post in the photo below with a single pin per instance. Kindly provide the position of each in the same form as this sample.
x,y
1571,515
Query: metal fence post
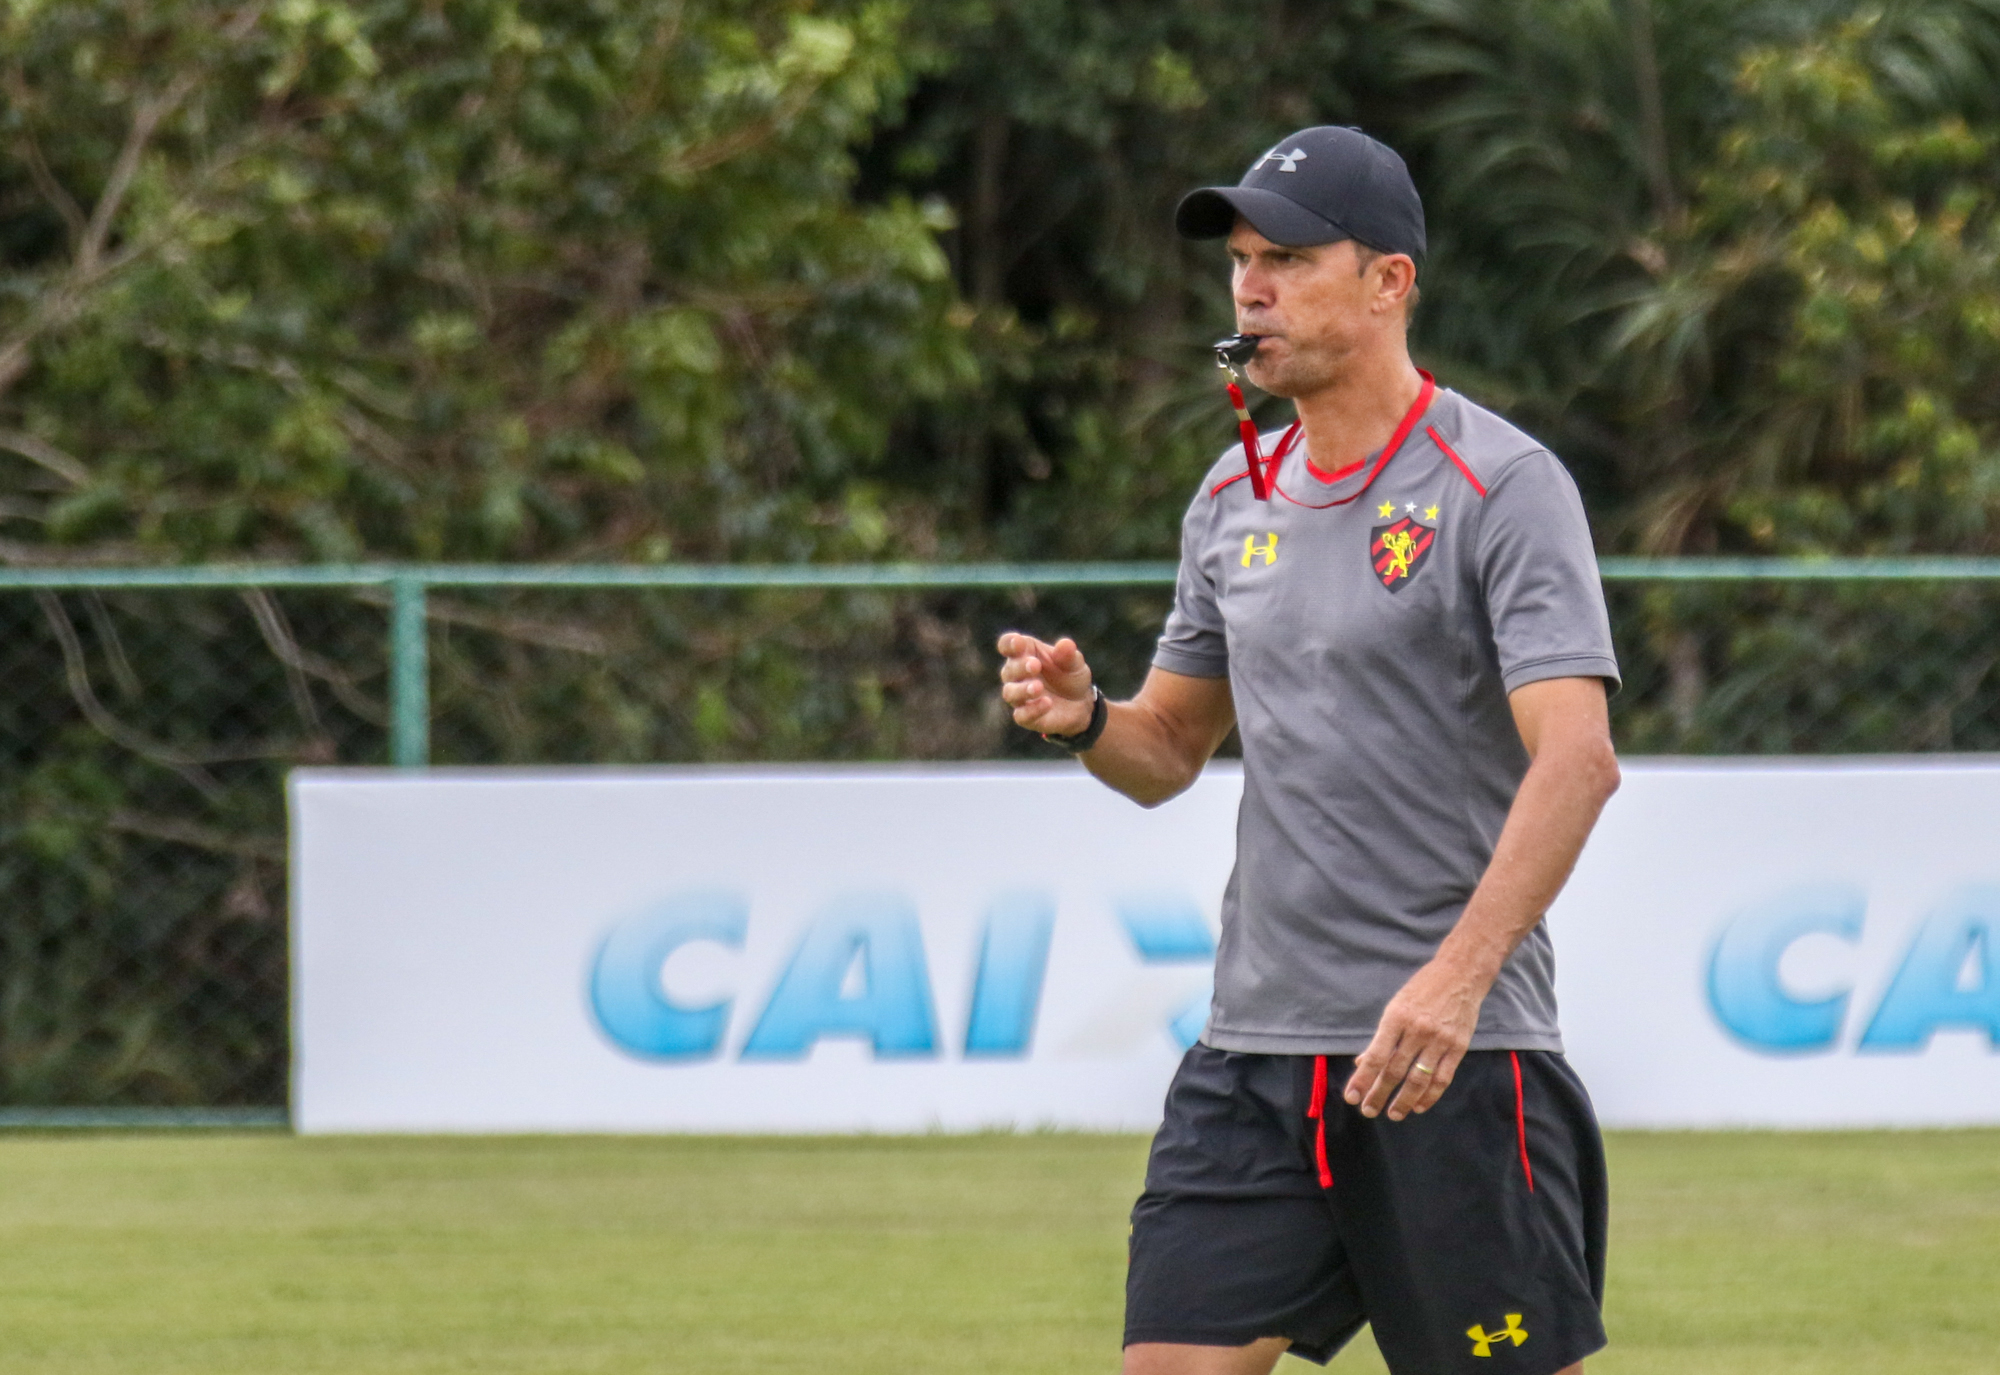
x,y
409,674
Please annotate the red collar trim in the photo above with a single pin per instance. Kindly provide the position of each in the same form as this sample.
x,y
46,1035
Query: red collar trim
x,y
1389,451
1409,422
1324,476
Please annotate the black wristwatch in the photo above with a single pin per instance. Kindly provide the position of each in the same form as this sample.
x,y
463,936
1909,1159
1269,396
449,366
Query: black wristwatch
x,y
1100,712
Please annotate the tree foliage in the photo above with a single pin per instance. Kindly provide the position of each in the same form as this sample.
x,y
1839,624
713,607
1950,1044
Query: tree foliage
x,y
469,280
1833,314
466,280
1061,135
788,278
864,279
1611,183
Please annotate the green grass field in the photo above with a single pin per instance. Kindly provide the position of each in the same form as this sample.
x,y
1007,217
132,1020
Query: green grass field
x,y
1732,1254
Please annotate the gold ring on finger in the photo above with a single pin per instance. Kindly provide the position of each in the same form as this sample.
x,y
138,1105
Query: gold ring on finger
x,y
1421,1069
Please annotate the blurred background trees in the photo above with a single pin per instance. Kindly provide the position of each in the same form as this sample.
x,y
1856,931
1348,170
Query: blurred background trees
x,y
1606,213
744,280
319,280
852,278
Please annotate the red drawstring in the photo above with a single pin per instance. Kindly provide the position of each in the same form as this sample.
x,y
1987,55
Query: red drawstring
x,y
1521,1120
1316,1112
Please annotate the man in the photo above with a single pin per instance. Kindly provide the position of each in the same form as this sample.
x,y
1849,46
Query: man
x,y
1377,1124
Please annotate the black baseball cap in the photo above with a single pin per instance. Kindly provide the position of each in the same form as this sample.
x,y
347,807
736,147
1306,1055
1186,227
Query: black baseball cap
x,y
1320,185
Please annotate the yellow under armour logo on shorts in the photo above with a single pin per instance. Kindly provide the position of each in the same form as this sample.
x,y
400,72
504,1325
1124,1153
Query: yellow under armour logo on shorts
x,y
1482,1340
1268,550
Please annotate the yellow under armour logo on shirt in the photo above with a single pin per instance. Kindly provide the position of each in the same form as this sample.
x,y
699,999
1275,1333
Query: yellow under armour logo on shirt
x,y
1268,550
1482,1340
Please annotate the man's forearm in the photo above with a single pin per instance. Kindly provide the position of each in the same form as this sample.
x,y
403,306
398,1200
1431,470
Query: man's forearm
x,y
1428,1026
1558,803
1142,756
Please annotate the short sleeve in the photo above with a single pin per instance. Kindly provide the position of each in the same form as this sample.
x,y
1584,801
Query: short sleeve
x,y
1538,575
1194,642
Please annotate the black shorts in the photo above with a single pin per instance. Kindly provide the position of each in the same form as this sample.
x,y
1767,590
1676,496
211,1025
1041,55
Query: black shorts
x,y
1471,1238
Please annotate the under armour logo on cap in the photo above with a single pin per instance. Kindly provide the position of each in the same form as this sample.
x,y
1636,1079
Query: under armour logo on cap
x,y
1316,186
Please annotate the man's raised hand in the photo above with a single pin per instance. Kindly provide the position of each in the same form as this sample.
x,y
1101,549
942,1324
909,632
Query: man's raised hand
x,y
1048,686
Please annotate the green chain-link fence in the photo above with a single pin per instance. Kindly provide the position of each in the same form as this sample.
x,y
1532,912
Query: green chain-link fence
x,y
147,719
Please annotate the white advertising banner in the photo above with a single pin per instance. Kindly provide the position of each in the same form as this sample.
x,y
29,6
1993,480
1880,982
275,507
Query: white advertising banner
x,y
744,950
908,949
1808,944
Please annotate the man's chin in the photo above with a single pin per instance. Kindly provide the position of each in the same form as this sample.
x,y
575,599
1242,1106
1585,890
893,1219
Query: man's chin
x,y
1273,381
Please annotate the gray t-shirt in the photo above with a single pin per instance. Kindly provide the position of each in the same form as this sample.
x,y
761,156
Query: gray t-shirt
x,y
1370,648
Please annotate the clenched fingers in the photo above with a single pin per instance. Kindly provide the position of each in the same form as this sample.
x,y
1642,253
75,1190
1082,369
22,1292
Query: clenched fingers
x,y
1021,685
1038,681
1014,647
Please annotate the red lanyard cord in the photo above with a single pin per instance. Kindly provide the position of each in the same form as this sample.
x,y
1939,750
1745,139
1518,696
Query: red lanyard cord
x,y
1270,465
1261,477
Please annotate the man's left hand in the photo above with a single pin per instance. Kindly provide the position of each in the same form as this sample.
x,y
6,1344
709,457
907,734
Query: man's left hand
x,y
1424,1033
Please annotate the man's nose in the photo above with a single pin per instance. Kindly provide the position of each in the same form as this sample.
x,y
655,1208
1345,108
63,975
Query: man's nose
x,y
1252,287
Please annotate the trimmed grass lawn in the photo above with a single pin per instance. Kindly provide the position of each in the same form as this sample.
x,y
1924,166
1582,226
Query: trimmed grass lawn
x,y
1733,1254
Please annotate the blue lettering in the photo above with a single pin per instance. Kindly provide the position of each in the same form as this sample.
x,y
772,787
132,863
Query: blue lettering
x,y
1007,990
1743,985
1171,930
1192,1020
625,990
1925,995
1166,929
892,1009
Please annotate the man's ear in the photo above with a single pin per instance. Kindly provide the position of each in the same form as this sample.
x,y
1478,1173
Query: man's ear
x,y
1395,279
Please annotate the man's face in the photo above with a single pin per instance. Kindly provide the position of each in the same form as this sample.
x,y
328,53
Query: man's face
x,y
1315,306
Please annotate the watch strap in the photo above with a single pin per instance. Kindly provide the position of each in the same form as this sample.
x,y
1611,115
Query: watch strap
x,y
1100,713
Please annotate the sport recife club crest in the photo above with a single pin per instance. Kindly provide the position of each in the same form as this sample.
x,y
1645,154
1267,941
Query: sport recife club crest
x,y
1398,550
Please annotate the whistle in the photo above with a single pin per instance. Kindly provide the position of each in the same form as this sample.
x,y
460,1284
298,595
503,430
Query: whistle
x,y
1241,348
1237,350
